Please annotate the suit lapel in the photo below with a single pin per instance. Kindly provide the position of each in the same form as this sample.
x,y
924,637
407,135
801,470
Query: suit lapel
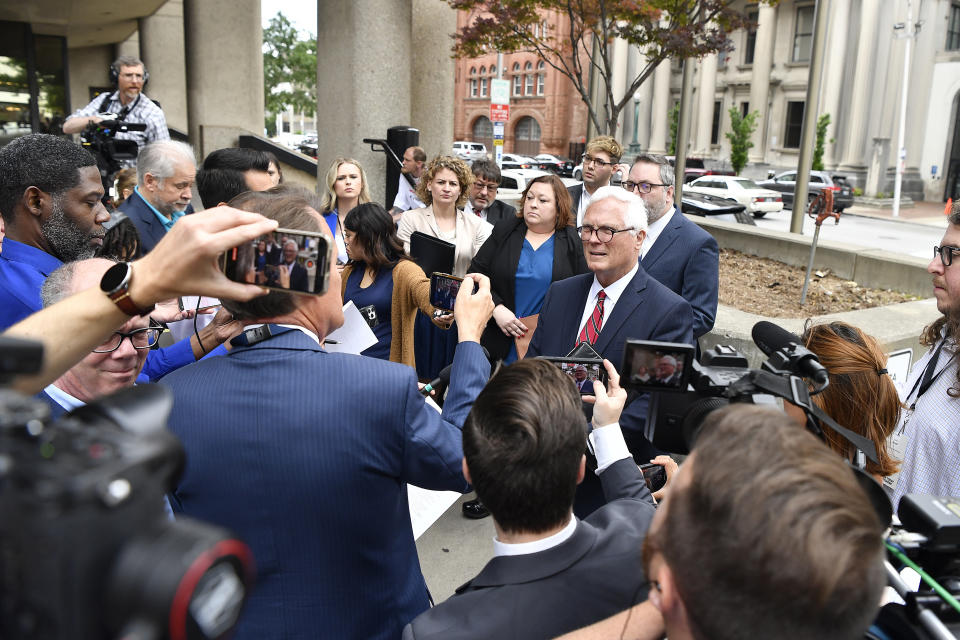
x,y
667,238
571,318
535,566
630,299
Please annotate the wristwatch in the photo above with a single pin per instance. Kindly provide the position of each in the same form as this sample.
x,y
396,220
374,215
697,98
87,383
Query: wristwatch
x,y
116,284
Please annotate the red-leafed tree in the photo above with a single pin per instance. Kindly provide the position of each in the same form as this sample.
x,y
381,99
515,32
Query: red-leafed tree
x,y
660,28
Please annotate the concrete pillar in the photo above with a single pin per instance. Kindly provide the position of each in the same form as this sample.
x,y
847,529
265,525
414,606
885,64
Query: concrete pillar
x,y
89,67
760,78
833,76
706,92
619,60
364,68
224,75
646,102
129,47
432,75
856,129
161,46
660,117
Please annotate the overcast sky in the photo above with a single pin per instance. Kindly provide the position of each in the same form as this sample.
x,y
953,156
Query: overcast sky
x,y
302,13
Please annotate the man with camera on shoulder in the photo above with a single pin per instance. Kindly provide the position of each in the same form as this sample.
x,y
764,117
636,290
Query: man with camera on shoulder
x,y
128,103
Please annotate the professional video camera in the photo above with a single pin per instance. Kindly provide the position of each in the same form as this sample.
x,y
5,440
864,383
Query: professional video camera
x,y
86,550
99,138
723,376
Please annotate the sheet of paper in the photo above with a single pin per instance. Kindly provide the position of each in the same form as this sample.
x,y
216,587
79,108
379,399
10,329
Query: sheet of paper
x,y
354,336
427,506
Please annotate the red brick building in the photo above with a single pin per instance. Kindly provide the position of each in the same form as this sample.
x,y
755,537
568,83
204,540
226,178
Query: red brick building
x,y
546,113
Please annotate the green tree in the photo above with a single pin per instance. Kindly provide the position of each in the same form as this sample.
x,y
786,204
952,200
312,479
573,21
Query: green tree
x,y
822,123
661,29
289,69
674,125
741,128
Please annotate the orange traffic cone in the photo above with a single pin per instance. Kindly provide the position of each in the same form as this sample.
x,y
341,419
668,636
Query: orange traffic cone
x,y
946,210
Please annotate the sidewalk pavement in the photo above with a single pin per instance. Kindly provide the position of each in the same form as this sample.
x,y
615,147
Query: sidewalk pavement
x,y
926,213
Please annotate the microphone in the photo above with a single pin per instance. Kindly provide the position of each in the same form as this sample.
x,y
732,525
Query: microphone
x,y
786,350
443,378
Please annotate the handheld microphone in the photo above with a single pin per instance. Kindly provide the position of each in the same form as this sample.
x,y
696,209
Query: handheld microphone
x,y
786,350
443,378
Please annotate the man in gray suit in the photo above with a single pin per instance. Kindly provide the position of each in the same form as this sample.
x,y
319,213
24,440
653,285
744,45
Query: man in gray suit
x,y
483,194
523,446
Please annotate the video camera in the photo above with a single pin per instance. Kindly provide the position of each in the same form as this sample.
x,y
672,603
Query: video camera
x,y
99,138
723,376
86,550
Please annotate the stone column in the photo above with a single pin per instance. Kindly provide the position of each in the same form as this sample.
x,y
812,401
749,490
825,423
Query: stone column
x,y
431,76
161,46
706,92
760,78
646,102
659,118
364,68
621,53
224,74
833,66
129,47
853,154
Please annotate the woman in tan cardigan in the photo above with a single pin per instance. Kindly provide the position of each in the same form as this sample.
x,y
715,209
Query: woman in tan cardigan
x,y
385,285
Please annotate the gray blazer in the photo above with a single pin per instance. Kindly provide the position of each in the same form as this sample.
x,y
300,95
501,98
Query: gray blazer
x,y
472,232
594,574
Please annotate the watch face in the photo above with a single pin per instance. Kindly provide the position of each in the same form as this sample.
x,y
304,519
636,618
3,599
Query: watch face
x,y
114,277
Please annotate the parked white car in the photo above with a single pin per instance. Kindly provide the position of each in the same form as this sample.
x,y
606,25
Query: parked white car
x,y
470,151
756,199
517,161
514,181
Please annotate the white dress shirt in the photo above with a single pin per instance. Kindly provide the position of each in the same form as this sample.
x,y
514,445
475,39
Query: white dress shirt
x,y
654,229
612,292
585,198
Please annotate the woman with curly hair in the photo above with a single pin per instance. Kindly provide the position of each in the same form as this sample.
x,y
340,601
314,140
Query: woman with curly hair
x,y
346,187
443,187
861,396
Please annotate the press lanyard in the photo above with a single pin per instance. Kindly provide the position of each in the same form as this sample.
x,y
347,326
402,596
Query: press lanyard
x,y
928,377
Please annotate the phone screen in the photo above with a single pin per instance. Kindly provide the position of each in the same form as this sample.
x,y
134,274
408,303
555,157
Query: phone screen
x,y
584,372
289,260
656,366
443,290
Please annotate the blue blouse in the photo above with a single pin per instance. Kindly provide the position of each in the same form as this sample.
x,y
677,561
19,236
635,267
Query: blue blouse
x,y
534,273
375,304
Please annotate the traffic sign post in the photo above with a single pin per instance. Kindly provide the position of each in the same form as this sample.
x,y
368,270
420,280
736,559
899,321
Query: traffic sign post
x,y
498,128
499,112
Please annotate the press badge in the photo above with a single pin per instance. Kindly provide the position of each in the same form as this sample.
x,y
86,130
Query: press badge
x,y
898,451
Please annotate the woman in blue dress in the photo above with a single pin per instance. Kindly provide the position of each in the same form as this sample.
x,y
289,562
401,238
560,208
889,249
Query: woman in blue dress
x,y
523,256
346,188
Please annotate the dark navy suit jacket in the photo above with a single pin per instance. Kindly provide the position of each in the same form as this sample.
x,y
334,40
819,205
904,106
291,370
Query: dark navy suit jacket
x,y
592,575
646,310
145,220
498,211
305,454
685,258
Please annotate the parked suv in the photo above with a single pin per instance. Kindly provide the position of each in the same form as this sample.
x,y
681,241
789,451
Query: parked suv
x,y
470,151
786,182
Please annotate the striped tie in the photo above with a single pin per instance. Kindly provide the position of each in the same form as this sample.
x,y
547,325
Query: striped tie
x,y
591,330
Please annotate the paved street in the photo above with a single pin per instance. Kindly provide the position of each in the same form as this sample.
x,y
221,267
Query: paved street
x,y
914,233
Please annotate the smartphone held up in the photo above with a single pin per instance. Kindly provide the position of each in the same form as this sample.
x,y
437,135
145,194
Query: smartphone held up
x,y
290,260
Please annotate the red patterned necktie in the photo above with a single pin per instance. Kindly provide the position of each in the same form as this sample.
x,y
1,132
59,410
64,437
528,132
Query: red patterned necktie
x,y
591,330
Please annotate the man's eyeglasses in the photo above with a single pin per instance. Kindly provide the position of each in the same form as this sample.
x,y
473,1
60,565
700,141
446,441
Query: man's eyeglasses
x,y
139,338
642,187
585,159
946,254
486,186
604,234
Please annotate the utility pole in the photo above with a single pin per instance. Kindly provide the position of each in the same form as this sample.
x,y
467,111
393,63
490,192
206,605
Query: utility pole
x,y
810,108
903,30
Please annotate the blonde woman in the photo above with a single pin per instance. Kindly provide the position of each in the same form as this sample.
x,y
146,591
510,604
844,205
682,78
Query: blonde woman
x,y
346,187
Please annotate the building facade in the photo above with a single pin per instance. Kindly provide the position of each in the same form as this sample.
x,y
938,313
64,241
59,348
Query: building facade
x,y
546,113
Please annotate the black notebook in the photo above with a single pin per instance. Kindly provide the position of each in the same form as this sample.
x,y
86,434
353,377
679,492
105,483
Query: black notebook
x,y
432,254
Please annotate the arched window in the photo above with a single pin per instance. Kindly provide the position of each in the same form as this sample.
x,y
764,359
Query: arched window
x,y
527,137
483,87
528,78
528,66
541,78
517,80
483,71
483,131
473,82
493,70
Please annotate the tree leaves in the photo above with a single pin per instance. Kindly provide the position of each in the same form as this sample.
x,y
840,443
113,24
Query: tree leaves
x,y
289,68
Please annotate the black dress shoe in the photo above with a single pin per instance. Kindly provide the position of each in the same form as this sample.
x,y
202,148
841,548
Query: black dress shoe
x,y
475,510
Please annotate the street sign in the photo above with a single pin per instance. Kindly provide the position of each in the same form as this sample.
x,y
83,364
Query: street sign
x,y
499,112
498,128
500,91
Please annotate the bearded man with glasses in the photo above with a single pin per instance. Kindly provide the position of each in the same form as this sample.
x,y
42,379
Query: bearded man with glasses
x,y
675,251
112,365
618,300
927,437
